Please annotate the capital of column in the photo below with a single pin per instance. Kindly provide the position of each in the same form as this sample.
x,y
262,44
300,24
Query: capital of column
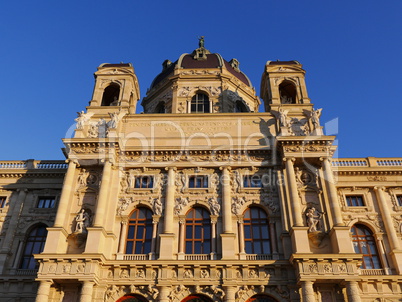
x,y
171,168
379,188
292,158
225,168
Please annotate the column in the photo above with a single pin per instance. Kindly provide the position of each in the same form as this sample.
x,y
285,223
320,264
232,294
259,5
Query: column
x,y
123,232
168,247
169,201
386,218
65,194
226,201
230,294
333,196
294,195
274,244
384,261
395,253
308,294
352,291
213,238
100,211
240,224
155,222
15,208
43,291
228,238
86,291
164,292
182,233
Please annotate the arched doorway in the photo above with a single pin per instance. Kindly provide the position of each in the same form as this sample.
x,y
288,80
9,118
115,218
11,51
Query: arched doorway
x,y
196,298
261,298
132,298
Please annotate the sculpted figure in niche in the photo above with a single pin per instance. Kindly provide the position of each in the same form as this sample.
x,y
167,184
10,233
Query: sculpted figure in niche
x,y
157,206
82,178
214,206
82,222
93,131
313,219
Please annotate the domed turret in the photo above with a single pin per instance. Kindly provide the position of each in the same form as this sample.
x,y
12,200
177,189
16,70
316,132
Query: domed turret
x,y
201,82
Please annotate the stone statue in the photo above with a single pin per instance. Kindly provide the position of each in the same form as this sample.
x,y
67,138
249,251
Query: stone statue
x,y
283,117
82,178
114,118
315,118
82,220
157,206
214,206
93,131
124,205
313,220
102,128
180,203
82,118
201,41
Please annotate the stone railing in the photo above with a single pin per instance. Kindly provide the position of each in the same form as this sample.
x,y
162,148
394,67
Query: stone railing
x,y
33,164
133,257
197,257
258,257
372,272
367,162
26,272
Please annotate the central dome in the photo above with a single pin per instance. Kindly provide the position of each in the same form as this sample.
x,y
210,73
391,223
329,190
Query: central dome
x,y
200,82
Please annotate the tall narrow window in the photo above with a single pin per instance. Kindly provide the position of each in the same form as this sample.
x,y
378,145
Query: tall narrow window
x,y
200,103
34,244
198,231
252,181
111,95
256,231
364,243
139,234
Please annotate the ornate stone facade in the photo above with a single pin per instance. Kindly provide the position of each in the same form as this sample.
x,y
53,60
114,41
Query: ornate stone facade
x,y
201,198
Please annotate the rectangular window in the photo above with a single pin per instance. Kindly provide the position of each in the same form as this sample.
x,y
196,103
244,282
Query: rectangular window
x,y
252,181
399,200
46,202
144,182
198,181
355,201
3,201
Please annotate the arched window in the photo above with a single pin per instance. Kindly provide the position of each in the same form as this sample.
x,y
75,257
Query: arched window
x,y
198,231
261,298
364,243
200,103
196,298
34,244
287,92
139,236
256,231
132,298
111,95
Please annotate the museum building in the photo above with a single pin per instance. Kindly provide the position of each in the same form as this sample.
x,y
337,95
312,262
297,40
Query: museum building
x,y
201,198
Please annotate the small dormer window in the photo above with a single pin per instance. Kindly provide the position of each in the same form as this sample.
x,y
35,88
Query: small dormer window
x,y
111,95
200,103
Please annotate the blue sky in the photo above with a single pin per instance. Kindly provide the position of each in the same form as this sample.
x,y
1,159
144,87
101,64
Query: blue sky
x,y
351,50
